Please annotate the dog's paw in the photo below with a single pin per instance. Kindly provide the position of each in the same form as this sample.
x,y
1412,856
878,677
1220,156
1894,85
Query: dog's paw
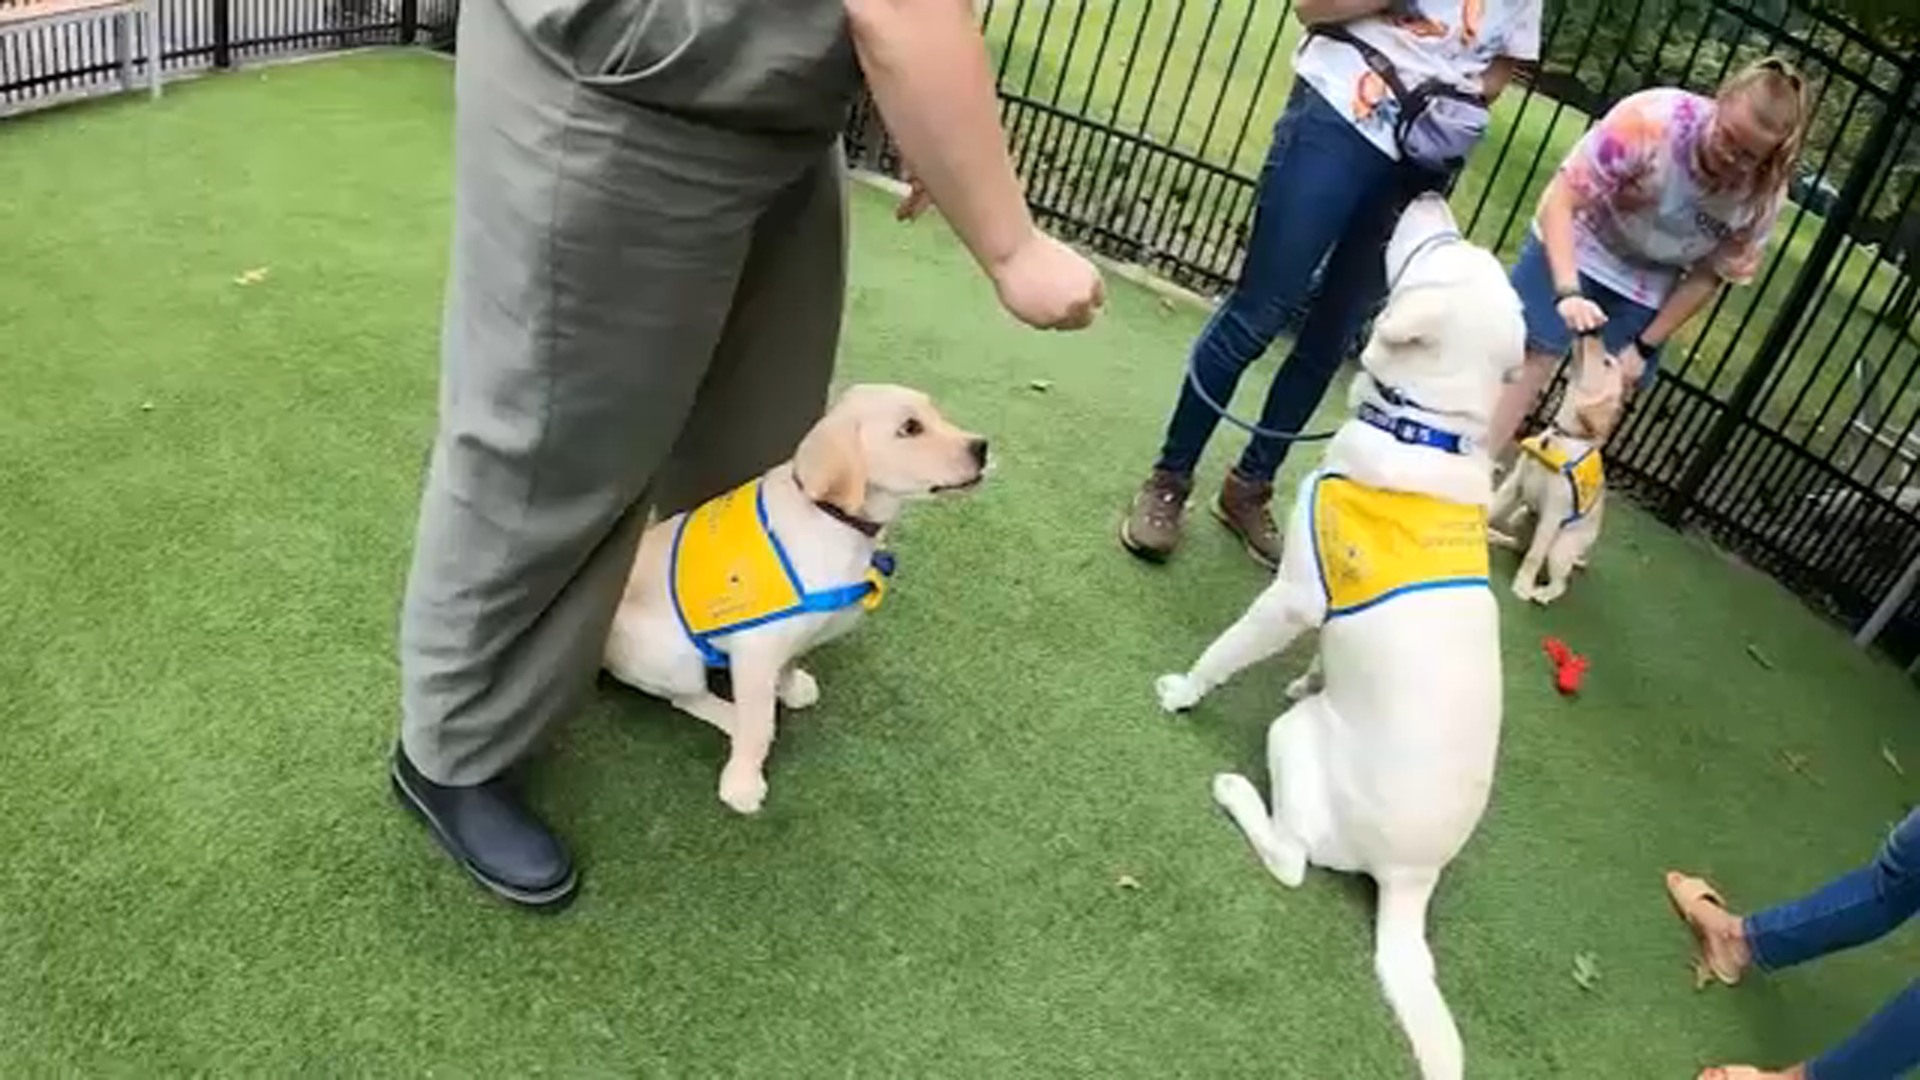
x,y
798,690
1303,687
1522,589
1177,693
1231,789
1547,594
743,790
1285,859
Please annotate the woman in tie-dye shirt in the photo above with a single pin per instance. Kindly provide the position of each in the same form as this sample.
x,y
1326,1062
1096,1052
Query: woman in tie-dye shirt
x,y
1669,196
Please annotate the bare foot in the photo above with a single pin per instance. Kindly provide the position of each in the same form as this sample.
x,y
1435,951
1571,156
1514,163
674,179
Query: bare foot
x,y
1722,936
1748,1072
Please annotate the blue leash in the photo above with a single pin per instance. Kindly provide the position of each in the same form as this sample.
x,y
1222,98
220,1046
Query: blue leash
x,y
1193,371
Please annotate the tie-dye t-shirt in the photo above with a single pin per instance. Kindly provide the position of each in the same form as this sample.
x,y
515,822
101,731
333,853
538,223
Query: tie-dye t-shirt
x,y
1646,216
1452,41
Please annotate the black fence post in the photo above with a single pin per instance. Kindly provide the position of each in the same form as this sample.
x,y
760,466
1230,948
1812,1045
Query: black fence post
x,y
1860,177
223,33
409,21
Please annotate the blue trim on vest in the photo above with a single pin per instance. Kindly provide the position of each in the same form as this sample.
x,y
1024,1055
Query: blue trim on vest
x,y
1423,586
825,601
1573,486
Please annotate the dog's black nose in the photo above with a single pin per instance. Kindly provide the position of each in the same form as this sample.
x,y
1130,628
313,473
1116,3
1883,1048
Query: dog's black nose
x,y
978,447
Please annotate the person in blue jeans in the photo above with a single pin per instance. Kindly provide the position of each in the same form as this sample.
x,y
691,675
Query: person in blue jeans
x,y
1331,190
1856,908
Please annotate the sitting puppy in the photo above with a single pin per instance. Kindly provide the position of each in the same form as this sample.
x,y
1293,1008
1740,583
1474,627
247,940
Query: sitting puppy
x,y
1559,478
754,579
1385,763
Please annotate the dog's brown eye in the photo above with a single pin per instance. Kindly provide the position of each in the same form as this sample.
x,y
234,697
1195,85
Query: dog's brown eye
x,y
911,428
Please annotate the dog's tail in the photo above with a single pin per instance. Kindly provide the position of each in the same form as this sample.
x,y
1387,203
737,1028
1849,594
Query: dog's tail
x,y
1405,966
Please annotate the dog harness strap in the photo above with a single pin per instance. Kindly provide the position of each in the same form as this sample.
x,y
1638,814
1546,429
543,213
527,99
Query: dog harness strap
x,y
1585,475
729,572
1372,545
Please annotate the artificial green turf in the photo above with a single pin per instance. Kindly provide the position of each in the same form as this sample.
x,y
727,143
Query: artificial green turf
x,y
206,500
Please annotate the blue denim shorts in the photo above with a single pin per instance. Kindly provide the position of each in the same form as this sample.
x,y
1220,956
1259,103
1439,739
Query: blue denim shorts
x,y
1547,332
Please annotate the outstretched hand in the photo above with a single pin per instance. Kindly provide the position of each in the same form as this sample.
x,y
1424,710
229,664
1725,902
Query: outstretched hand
x,y
1581,315
1048,285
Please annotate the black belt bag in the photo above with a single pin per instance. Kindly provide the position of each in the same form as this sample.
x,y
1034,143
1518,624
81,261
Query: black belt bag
x,y
1439,124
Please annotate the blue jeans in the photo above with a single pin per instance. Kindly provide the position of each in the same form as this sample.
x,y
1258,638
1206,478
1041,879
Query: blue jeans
x,y
1853,910
1325,193
1547,332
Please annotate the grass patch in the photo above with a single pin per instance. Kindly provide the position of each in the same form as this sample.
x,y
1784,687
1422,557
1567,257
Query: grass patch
x,y
205,872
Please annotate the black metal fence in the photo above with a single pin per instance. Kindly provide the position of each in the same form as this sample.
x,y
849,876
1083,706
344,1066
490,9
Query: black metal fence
x,y
199,34
1786,421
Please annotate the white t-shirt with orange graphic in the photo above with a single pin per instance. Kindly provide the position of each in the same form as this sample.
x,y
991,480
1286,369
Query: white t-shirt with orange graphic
x,y
1453,41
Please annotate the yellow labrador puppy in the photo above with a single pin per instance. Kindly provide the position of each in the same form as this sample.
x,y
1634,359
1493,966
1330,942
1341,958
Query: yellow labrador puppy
x,y
1559,478
754,579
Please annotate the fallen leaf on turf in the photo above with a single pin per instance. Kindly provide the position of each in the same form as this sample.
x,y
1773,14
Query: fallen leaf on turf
x,y
1586,970
1166,303
1799,763
1886,754
1759,657
1128,881
1040,385
252,277
147,406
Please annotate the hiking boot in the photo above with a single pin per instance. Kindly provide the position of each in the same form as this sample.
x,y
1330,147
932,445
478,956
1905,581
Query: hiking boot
x,y
1152,526
1242,507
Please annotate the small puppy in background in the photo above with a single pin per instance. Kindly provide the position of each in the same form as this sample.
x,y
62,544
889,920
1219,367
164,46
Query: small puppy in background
x,y
1559,478
754,579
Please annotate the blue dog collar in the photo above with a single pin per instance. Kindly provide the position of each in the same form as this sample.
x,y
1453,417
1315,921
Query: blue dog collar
x,y
1408,430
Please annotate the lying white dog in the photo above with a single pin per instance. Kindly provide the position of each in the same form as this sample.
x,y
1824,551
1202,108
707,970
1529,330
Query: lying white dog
x,y
754,579
1385,764
1559,478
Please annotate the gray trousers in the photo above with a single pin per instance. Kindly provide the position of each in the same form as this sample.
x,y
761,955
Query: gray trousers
x,y
642,311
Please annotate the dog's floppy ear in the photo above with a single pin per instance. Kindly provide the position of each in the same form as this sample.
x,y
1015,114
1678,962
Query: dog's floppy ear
x,y
830,466
1417,315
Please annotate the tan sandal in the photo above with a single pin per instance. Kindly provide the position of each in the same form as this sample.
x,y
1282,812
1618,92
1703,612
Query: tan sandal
x,y
1683,892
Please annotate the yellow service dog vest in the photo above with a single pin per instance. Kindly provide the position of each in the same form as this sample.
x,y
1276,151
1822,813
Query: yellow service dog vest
x,y
1584,474
731,573
1373,545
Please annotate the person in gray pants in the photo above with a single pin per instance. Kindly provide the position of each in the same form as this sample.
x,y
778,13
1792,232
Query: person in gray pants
x,y
648,270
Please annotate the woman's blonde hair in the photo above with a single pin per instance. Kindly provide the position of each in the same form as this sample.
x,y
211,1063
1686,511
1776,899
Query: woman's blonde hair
x,y
1778,96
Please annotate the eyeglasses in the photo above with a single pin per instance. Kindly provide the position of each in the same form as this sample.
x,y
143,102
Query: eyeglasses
x,y
1729,145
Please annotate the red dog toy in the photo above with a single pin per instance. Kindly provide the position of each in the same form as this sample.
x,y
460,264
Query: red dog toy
x,y
1568,666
